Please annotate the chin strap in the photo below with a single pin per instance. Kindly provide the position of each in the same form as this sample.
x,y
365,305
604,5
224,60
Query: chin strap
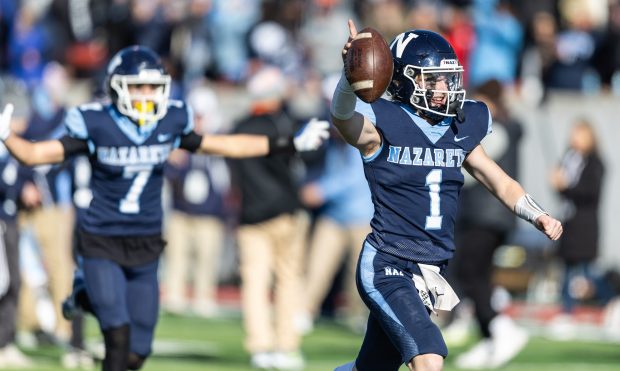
x,y
455,107
460,115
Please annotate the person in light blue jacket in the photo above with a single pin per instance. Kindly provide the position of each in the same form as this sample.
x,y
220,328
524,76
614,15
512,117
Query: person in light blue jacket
x,y
499,38
342,199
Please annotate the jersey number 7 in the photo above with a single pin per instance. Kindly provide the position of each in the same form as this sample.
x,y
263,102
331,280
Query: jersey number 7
x,y
130,204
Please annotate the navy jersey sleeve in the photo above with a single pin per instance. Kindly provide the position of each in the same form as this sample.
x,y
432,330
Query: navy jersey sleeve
x,y
75,124
181,115
478,120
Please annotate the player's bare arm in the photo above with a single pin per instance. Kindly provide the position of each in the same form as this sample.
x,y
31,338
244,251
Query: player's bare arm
x,y
235,145
510,192
26,152
309,138
356,129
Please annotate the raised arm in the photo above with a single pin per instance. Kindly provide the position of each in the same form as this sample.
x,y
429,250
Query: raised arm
x,y
510,192
355,128
235,145
309,138
26,152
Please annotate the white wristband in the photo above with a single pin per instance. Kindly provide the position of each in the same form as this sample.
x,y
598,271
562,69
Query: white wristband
x,y
526,208
344,100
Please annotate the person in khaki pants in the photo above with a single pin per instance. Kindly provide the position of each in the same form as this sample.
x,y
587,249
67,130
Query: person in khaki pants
x,y
51,216
271,234
52,225
196,229
273,248
342,197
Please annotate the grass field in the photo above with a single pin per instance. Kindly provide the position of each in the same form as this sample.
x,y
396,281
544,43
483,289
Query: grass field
x,y
185,343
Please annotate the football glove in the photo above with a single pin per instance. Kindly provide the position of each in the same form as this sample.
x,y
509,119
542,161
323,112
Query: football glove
x,y
311,136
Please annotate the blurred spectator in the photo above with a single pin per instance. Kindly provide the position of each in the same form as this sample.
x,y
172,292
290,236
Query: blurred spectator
x,y
479,234
151,29
498,43
389,17
539,57
341,198
425,15
574,47
270,43
193,46
10,280
52,219
230,22
29,43
80,35
322,32
199,185
607,56
459,30
271,234
579,179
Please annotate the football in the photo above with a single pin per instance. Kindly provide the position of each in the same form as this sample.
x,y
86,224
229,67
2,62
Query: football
x,y
368,65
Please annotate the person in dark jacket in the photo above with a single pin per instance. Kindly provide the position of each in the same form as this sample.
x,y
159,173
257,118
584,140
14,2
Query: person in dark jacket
x,y
478,235
579,179
271,234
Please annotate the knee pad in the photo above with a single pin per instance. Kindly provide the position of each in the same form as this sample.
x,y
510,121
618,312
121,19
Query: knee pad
x,y
135,361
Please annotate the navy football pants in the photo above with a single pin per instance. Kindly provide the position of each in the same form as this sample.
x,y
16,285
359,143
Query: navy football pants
x,y
399,326
124,295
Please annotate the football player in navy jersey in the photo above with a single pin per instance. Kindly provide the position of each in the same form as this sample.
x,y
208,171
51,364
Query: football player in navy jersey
x,y
413,146
128,142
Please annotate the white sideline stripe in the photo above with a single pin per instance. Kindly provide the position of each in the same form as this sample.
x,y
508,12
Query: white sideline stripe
x,y
166,347
365,84
180,347
363,35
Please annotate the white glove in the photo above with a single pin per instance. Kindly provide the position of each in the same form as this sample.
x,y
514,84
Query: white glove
x,y
5,122
311,136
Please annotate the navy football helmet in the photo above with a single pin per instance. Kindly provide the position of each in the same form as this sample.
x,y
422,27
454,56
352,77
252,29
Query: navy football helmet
x,y
138,66
427,74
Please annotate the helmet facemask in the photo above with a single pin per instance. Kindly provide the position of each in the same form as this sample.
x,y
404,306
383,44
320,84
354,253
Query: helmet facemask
x,y
438,91
142,108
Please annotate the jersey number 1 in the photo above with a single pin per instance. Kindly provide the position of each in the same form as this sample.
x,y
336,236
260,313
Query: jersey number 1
x,y
433,182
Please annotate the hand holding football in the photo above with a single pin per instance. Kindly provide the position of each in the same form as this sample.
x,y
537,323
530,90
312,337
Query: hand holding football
x,y
368,64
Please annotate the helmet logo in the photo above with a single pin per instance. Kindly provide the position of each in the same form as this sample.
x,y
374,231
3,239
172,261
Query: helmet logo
x,y
402,44
449,63
115,62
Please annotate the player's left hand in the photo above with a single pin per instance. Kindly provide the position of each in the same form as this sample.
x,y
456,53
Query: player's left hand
x,y
550,226
5,121
311,136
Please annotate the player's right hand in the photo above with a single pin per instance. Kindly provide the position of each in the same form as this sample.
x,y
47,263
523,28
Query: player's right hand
x,y
550,226
5,121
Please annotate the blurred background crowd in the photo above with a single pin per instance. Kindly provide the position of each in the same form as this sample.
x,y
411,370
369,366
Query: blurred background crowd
x,y
544,65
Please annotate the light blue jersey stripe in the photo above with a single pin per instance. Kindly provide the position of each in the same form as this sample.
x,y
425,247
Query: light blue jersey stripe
x,y
74,122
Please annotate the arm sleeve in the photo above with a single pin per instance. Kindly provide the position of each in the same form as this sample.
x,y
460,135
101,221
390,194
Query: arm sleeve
x,y
190,141
73,146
